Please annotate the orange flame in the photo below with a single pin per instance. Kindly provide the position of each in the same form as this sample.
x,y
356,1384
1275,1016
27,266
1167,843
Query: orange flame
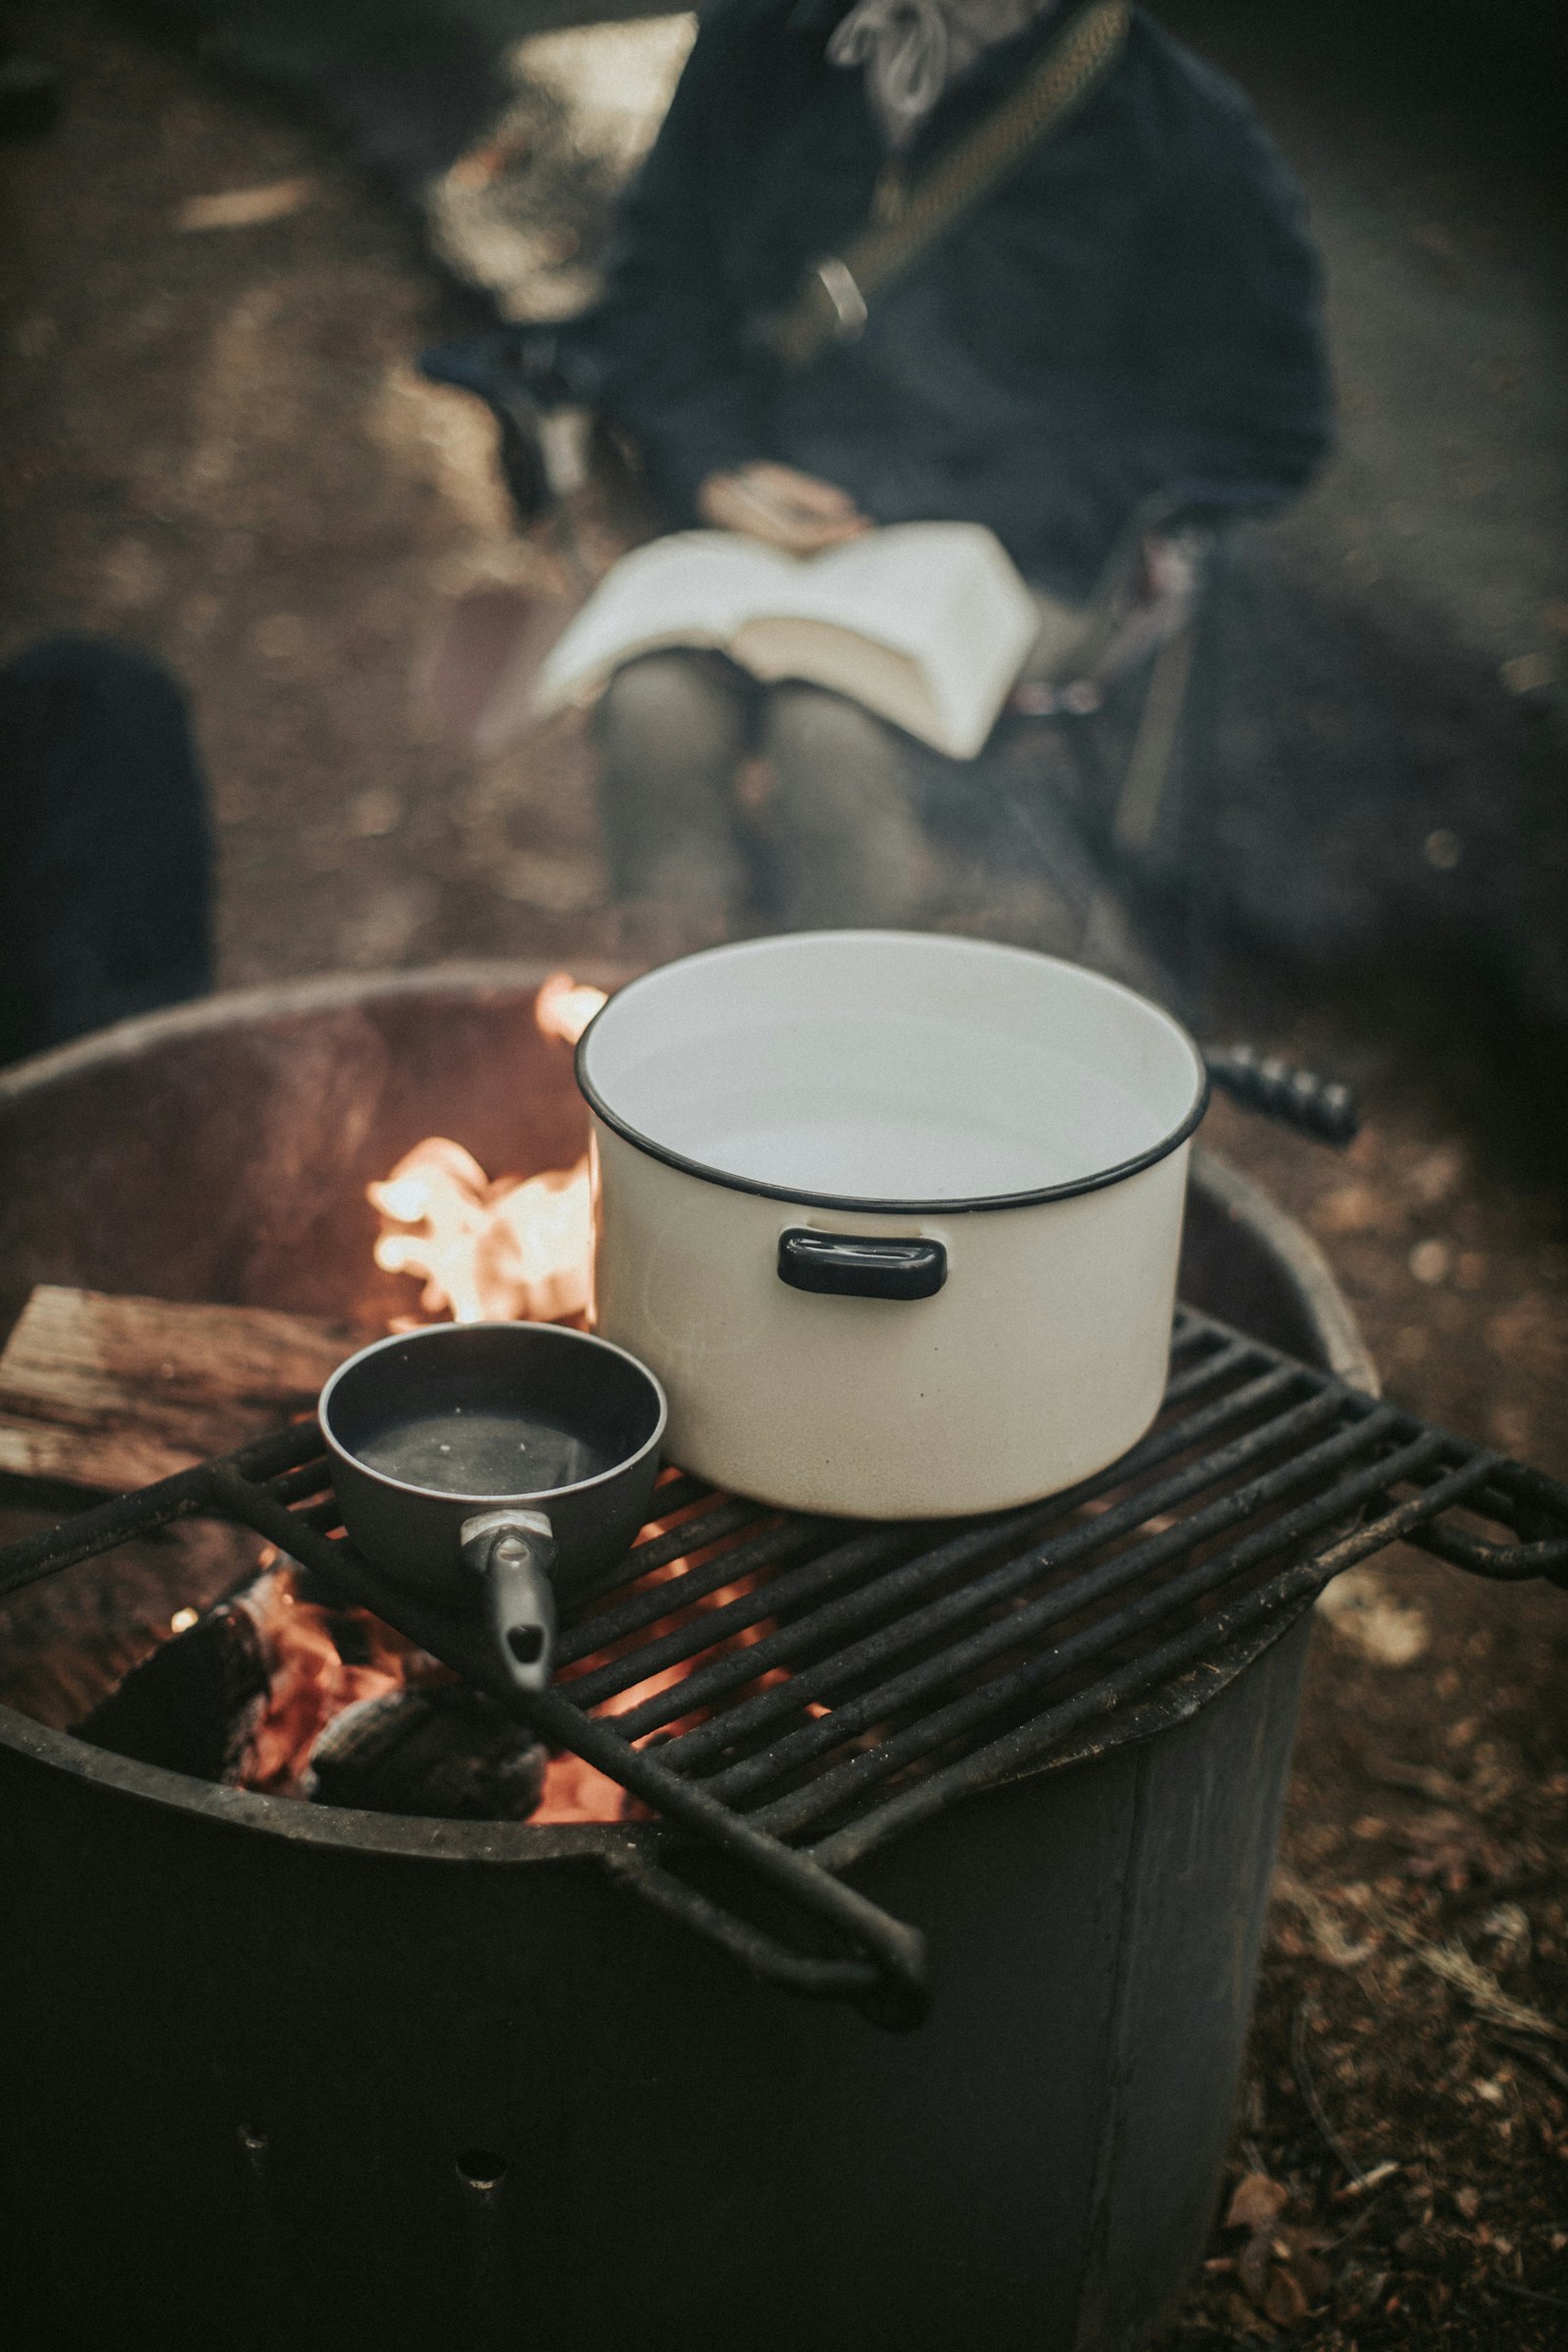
x,y
308,1681
562,1008
514,1251
509,1250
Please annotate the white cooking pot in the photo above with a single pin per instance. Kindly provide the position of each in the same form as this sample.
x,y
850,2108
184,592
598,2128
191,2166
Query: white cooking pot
x,y
894,1217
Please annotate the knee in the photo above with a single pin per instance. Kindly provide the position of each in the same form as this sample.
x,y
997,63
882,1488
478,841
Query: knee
x,y
816,740
670,709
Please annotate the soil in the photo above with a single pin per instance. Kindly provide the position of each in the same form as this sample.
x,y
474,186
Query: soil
x,y
219,448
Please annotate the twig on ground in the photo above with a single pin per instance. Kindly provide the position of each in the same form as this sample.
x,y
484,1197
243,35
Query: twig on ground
x,y
1422,1780
1449,1960
1479,1986
1333,1944
1529,2295
1518,2045
1306,2013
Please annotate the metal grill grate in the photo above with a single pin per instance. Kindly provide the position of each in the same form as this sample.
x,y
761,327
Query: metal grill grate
x,y
844,1682
914,1663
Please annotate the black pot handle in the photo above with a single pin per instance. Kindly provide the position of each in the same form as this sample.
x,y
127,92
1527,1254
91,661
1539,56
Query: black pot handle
x,y
514,1551
1322,1107
858,1265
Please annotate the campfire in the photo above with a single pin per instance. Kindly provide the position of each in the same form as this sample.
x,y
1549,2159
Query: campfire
x,y
306,1697
336,2043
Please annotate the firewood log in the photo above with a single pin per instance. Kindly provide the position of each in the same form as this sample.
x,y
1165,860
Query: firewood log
x,y
114,1392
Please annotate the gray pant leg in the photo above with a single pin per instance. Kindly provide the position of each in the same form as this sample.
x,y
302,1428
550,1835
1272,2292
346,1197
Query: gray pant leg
x,y
671,729
849,845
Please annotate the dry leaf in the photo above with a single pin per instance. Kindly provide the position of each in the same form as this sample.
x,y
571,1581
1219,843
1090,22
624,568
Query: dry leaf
x,y
1257,2202
248,207
1284,2298
1248,2321
1363,1613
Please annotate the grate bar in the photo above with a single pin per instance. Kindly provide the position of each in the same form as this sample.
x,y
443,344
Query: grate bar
x,y
678,1492
928,1568
874,1602
1190,1330
846,1782
188,1495
1002,1758
720,1624
640,1609
305,1484
726,1515
1234,1355
1097,1585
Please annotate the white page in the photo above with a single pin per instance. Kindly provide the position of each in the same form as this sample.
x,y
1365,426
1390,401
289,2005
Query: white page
x,y
947,595
944,595
692,588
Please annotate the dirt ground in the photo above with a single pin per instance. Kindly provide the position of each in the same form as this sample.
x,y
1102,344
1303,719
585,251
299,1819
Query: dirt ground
x,y
217,448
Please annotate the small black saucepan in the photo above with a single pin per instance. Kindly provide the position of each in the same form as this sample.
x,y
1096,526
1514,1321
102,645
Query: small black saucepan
x,y
495,1465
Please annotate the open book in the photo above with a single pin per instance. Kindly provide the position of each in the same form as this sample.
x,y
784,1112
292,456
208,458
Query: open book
x,y
926,624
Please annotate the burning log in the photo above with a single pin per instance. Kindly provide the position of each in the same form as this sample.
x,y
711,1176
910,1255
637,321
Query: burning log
x,y
440,1749
281,1689
284,1689
114,1393
186,1706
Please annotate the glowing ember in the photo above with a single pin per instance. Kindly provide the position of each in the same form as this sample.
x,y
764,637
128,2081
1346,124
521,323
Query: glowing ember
x,y
309,1678
575,1792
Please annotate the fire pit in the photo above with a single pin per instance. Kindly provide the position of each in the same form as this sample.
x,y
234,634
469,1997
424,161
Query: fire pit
x,y
424,2082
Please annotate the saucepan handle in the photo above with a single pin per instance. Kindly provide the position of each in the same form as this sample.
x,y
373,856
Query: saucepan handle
x,y
514,1551
860,1265
1318,1107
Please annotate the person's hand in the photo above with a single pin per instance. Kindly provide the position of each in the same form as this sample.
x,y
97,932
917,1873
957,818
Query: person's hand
x,y
775,503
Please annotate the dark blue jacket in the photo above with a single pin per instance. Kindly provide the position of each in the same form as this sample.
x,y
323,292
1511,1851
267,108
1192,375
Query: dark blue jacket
x,y
1135,311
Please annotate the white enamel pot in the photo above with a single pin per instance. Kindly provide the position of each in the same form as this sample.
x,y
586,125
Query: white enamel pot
x,y
893,1216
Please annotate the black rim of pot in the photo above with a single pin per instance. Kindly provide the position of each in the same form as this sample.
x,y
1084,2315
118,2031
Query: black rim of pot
x,y
855,1204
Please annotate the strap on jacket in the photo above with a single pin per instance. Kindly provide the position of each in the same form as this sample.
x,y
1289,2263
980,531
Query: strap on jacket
x,y
834,298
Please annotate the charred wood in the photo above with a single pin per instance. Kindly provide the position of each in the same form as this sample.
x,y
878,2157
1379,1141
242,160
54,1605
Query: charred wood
x,y
226,1697
68,1642
187,1705
441,1749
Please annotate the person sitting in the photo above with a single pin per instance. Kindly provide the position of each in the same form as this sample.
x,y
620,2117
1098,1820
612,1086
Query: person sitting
x,y
1123,318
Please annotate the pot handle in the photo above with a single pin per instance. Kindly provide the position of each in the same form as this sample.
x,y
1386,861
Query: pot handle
x,y
514,1551
1323,1107
858,1265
